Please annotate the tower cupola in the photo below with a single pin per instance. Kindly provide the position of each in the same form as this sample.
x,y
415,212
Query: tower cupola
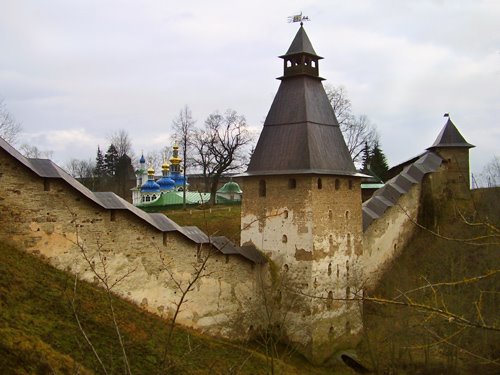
x,y
150,186
300,59
165,182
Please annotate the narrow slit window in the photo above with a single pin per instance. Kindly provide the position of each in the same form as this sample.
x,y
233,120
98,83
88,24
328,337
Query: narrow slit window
x,y
262,188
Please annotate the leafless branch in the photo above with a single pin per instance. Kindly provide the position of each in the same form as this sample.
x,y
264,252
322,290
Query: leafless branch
x,y
80,327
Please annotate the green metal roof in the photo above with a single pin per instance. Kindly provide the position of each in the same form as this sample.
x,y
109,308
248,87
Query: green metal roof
x,y
230,187
175,198
371,186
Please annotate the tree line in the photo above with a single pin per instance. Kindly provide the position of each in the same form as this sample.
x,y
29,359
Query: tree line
x,y
222,144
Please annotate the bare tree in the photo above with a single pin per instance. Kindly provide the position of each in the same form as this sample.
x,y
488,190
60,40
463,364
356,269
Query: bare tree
x,y
491,173
121,140
220,148
34,152
155,158
183,126
202,159
357,130
83,170
80,168
340,103
9,127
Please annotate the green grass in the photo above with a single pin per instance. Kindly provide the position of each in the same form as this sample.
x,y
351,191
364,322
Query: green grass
x,y
217,221
39,334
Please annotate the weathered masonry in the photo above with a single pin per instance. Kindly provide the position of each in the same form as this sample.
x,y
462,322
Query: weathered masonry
x,y
46,211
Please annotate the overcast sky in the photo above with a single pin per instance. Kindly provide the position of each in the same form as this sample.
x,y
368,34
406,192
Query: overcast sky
x,y
73,72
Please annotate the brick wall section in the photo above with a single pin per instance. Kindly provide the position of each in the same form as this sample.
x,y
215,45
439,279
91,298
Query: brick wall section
x,y
314,235
47,216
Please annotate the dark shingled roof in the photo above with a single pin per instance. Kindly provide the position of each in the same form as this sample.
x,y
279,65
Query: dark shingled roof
x,y
45,168
450,137
301,134
389,194
301,44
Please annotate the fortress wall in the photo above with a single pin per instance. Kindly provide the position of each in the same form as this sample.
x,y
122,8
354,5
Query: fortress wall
x,y
49,217
388,235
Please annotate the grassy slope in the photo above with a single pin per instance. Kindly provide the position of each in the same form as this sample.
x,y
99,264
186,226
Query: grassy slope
x,y
39,334
402,337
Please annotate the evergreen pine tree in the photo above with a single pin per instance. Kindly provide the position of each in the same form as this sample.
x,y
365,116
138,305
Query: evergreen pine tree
x,y
99,170
111,161
378,162
366,159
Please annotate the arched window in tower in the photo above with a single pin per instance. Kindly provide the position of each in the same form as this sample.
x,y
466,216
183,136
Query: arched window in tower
x,y
284,239
285,214
262,188
292,183
320,183
350,184
337,184
347,215
329,269
313,64
348,292
288,63
330,214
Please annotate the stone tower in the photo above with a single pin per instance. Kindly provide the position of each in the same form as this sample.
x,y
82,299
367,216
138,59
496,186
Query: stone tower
x,y
302,207
447,191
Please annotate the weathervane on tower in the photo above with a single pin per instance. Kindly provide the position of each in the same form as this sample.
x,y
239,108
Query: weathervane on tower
x,y
298,18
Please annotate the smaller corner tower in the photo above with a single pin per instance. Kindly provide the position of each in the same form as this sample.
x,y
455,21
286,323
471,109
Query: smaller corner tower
x,y
302,207
452,181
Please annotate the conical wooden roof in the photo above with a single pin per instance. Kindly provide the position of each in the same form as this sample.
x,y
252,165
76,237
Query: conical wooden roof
x,y
450,137
301,44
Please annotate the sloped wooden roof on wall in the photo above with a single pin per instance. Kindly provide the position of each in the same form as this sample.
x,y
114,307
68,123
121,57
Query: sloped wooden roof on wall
x,y
388,195
45,168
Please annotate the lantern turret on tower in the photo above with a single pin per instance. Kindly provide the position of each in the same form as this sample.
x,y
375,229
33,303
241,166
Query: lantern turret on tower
x,y
301,57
